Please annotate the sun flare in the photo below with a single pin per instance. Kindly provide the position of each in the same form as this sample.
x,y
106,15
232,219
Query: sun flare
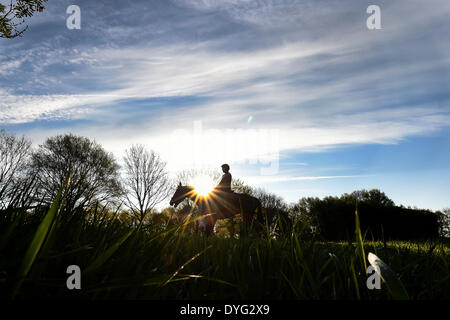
x,y
203,185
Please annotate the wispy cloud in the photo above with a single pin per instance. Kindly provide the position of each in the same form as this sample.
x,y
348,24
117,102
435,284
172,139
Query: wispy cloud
x,y
258,180
292,66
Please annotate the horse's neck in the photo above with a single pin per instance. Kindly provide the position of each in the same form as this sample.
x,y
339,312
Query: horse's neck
x,y
189,194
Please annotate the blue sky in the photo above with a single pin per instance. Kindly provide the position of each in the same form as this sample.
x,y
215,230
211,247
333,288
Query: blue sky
x,y
302,86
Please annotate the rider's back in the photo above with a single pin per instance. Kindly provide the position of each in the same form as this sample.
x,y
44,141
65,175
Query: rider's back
x,y
225,183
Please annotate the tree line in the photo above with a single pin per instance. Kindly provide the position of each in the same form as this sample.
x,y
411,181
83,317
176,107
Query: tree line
x,y
30,178
333,218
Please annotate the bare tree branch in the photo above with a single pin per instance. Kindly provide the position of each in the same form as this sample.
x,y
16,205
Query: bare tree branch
x,y
146,181
14,155
13,14
94,172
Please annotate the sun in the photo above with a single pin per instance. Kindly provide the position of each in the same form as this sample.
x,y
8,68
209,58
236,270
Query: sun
x,y
203,185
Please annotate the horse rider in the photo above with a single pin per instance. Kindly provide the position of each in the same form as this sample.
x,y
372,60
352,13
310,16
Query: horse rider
x,y
225,183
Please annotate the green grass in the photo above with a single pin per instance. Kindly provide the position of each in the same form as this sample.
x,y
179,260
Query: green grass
x,y
41,240
121,262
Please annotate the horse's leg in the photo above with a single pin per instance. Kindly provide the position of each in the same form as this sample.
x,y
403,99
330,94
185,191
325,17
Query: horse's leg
x,y
209,228
201,224
211,222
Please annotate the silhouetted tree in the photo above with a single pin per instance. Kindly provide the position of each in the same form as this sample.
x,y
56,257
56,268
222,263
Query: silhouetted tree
x,y
334,217
14,156
239,186
275,211
305,218
146,181
93,172
444,222
13,14
374,196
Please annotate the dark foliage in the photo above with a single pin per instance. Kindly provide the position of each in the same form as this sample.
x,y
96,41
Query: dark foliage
x,y
334,217
12,16
94,172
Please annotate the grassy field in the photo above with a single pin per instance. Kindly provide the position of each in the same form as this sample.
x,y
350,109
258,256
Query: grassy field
x,y
121,262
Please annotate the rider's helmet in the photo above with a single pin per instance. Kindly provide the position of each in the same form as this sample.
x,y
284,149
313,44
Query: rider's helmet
x,y
225,167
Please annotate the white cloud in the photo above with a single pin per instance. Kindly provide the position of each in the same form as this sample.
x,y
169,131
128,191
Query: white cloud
x,y
8,67
258,180
16,109
321,91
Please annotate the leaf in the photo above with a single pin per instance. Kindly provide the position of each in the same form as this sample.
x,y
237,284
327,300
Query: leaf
x,y
395,286
38,240
355,279
359,239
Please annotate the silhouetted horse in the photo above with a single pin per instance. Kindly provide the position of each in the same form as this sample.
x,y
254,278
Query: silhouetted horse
x,y
221,205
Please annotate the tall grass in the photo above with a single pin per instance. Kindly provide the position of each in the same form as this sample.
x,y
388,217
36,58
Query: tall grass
x,y
118,261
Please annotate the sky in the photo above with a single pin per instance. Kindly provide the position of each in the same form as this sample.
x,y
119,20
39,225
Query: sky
x,y
301,98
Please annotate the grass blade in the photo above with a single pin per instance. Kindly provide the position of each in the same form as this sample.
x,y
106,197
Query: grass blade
x,y
185,264
359,239
38,240
101,259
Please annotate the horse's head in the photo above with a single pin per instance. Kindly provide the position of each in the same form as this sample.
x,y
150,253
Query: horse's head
x,y
180,194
